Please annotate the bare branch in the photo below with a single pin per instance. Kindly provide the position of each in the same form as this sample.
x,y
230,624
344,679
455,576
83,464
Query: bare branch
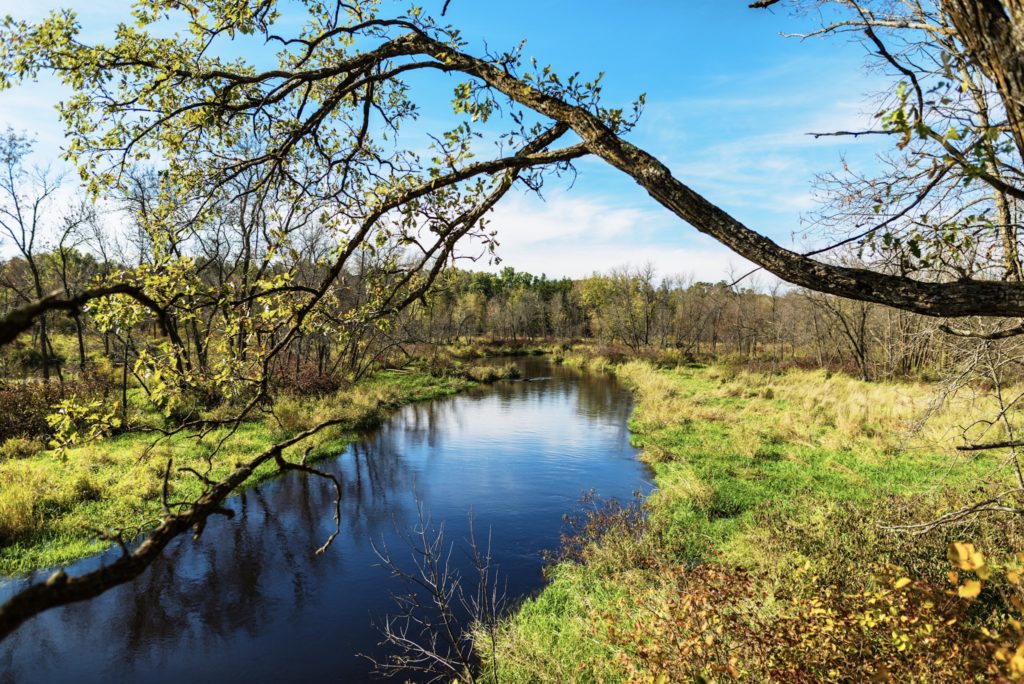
x,y
61,589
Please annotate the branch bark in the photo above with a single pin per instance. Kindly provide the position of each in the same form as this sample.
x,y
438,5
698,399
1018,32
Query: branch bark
x,y
22,318
993,34
946,299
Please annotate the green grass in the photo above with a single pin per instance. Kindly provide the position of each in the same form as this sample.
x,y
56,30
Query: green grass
x,y
51,510
760,473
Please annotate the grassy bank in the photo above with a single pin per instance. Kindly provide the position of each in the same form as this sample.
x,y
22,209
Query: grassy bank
x,y
482,349
761,556
51,510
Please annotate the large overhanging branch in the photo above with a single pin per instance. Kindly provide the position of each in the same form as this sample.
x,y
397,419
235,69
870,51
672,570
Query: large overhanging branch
x,y
951,299
944,299
22,318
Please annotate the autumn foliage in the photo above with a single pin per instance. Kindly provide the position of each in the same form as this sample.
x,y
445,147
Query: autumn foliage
x,y
712,623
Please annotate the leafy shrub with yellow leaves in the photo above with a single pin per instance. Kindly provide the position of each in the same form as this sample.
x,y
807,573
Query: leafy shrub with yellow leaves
x,y
710,623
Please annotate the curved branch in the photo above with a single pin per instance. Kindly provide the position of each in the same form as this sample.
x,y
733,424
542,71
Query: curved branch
x,y
990,445
947,299
22,318
996,335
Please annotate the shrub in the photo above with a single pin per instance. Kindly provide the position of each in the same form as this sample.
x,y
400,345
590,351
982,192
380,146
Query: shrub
x,y
19,447
17,513
291,414
439,364
607,532
307,380
84,489
481,373
488,374
24,406
708,623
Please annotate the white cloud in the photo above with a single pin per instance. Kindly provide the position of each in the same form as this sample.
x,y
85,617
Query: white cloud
x,y
575,235
744,141
708,264
563,216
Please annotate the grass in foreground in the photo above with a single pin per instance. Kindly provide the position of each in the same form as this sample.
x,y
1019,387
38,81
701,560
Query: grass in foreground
x,y
51,510
762,557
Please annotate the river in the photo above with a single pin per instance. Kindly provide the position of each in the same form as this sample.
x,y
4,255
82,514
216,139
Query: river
x,y
251,602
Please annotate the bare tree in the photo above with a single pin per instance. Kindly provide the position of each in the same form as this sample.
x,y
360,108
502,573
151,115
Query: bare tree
x,y
24,197
443,626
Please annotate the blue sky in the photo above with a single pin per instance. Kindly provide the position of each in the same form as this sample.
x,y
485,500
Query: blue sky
x,y
729,103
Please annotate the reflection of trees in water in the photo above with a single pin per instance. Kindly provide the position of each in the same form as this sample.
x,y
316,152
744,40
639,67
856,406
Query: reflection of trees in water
x,y
375,481
598,396
601,398
225,583
259,569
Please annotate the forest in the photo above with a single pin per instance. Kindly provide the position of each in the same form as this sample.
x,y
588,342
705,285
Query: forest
x,y
268,382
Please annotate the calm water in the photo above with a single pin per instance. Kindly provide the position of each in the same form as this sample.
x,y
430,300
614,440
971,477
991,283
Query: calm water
x,y
251,602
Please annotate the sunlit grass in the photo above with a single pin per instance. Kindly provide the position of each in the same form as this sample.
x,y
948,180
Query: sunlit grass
x,y
764,473
51,510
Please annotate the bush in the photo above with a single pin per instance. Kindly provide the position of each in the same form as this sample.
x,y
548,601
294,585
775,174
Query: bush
x,y
84,489
19,447
607,532
488,374
292,415
710,623
439,365
24,406
307,380
18,516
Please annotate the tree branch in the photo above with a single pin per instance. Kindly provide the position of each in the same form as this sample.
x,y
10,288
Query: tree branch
x,y
60,589
22,318
952,299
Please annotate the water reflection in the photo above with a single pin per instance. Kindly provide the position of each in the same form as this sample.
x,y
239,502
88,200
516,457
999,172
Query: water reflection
x,y
251,600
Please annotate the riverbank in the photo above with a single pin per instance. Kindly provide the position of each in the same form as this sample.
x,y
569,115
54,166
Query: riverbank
x,y
761,555
507,460
51,510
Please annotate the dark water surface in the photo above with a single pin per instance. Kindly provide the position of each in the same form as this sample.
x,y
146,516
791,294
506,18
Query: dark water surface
x,y
250,602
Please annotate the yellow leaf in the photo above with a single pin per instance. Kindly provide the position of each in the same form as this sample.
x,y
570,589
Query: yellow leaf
x,y
969,589
964,556
902,582
1017,661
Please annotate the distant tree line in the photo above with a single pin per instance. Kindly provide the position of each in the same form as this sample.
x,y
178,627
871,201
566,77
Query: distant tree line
x,y
634,308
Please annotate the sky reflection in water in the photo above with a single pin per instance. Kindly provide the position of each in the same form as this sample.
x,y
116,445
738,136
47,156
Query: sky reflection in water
x,y
251,602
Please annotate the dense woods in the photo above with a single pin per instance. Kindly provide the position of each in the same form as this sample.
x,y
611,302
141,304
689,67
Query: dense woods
x,y
630,308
